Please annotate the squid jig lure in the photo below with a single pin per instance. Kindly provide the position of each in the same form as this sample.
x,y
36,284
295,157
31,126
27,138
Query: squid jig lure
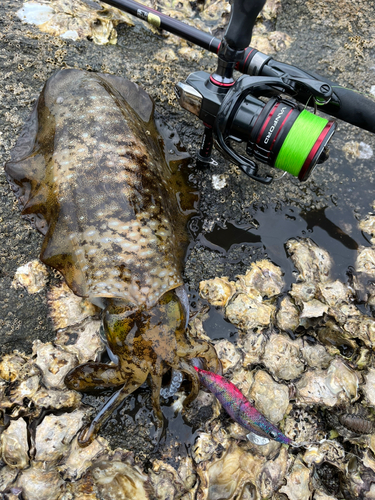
x,y
240,409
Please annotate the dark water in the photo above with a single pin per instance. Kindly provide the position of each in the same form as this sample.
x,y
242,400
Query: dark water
x,y
275,228
218,327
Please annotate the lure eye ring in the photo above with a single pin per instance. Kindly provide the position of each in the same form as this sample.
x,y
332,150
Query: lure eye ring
x,y
273,434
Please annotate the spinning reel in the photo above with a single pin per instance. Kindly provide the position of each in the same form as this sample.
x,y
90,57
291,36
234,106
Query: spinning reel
x,y
279,132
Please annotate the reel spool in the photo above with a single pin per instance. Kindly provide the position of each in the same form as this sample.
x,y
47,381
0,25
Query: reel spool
x,y
289,139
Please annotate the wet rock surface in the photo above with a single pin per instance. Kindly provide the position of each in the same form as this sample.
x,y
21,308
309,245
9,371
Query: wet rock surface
x,y
322,322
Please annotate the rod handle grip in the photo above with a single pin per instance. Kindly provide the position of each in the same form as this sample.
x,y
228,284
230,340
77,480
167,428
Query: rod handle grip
x,y
242,20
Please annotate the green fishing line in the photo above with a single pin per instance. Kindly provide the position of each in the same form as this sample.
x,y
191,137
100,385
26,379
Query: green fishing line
x,y
299,142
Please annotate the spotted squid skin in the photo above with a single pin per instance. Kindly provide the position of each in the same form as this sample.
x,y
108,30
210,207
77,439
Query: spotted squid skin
x,y
90,173
238,407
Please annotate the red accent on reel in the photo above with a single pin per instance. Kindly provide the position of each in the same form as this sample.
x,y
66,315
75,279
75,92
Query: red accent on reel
x,y
306,166
220,84
266,122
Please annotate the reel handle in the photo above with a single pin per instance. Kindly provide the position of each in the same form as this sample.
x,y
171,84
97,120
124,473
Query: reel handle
x,y
242,20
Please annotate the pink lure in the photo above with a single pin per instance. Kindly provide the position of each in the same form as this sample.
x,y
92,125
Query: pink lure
x,y
239,408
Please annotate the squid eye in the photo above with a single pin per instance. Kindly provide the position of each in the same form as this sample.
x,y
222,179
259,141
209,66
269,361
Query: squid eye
x,y
118,323
273,434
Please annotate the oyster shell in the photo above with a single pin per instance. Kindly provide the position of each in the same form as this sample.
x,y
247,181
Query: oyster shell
x,y
249,313
273,473
354,150
303,292
171,483
334,293
214,10
66,308
229,356
32,276
283,358
271,9
279,41
369,387
337,384
253,346
11,365
204,448
243,379
75,19
312,262
82,340
326,451
233,475
287,316
271,398
166,55
313,309
40,482
337,340
27,385
298,482
217,291
25,389
368,226
7,477
365,262
320,495
204,407
52,399
316,356
14,445
369,460
80,459
272,42
264,277
54,434
54,363
83,489
362,327
120,479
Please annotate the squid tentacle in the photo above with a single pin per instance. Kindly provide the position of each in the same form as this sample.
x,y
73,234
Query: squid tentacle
x,y
189,370
174,385
88,433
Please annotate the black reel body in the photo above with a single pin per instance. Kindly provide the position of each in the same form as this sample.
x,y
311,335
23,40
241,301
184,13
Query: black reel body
x,y
279,133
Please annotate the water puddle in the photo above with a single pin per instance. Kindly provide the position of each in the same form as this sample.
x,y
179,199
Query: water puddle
x,y
218,327
275,227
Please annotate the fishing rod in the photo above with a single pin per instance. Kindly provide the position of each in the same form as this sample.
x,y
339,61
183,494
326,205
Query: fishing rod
x,y
280,133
